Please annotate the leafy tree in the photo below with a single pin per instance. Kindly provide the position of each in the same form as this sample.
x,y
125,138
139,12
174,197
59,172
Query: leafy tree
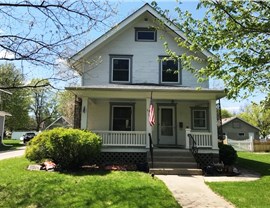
x,y
238,35
16,104
43,104
66,101
257,115
226,114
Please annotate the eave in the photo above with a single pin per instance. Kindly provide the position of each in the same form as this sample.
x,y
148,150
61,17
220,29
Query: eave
x,y
142,92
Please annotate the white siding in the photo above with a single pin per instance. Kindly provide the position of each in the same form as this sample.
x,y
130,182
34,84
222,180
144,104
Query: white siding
x,y
145,67
99,114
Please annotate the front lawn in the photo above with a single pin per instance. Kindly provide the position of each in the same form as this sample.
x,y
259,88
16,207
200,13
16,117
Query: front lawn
x,y
13,144
248,194
22,188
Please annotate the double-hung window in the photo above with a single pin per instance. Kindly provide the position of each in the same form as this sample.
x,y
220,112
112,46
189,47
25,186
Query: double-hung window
x,y
120,68
169,71
199,118
122,117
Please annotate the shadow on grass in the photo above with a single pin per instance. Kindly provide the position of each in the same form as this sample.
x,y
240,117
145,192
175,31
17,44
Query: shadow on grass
x,y
81,172
98,195
261,167
12,145
7,148
96,189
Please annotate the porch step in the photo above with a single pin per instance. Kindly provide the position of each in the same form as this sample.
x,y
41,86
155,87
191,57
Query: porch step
x,y
174,158
174,164
173,161
172,152
175,171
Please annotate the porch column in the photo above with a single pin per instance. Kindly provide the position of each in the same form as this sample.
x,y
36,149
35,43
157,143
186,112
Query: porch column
x,y
188,131
84,113
213,124
148,127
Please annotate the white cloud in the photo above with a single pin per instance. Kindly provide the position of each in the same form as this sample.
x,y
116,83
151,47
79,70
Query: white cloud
x,y
4,54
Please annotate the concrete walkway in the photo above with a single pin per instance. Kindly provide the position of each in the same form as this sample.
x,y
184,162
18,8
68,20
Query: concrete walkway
x,y
192,192
13,153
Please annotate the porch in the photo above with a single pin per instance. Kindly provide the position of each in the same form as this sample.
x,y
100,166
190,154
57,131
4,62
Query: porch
x,y
119,113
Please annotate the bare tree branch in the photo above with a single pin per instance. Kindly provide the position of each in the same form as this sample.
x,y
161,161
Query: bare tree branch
x,y
41,32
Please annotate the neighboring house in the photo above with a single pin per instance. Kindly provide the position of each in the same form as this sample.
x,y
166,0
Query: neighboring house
x,y
3,115
237,129
123,72
60,122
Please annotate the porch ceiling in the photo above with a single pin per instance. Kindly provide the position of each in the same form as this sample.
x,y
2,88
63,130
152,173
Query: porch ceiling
x,y
143,92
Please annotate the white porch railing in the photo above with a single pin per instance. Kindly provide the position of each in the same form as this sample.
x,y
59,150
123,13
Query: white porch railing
x,y
202,139
123,138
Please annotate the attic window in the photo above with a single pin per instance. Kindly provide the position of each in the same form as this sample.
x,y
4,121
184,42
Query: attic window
x,y
145,35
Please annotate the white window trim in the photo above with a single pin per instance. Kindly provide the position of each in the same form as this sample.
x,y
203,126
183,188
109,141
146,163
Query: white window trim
x,y
161,72
129,69
206,119
125,106
137,30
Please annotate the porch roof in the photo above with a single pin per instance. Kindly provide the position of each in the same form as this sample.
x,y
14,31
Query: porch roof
x,y
140,91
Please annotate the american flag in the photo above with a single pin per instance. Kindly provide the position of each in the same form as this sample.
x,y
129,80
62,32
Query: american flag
x,y
151,116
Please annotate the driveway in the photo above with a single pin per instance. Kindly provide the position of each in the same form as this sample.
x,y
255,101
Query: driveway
x,y
14,153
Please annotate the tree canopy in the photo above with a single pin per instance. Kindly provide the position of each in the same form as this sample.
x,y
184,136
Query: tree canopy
x,y
16,104
43,104
238,35
258,116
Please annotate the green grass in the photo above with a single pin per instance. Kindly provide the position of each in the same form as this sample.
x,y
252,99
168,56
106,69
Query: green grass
x,y
248,194
15,143
22,188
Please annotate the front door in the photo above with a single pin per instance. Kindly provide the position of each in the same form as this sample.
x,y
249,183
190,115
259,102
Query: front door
x,y
166,129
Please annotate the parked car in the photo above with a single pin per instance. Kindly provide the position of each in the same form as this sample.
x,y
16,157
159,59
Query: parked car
x,y
28,136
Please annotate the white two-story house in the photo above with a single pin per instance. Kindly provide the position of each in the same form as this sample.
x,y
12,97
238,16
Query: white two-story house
x,y
124,71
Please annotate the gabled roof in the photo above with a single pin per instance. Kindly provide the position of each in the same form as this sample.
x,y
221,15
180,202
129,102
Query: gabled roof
x,y
61,117
228,120
115,30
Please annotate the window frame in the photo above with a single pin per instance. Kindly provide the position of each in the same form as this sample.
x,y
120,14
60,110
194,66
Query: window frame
x,y
145,29
125,105
206,110
120,57
161,60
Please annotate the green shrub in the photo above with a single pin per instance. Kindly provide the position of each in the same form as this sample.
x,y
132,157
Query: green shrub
x,y
227,154
68,148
